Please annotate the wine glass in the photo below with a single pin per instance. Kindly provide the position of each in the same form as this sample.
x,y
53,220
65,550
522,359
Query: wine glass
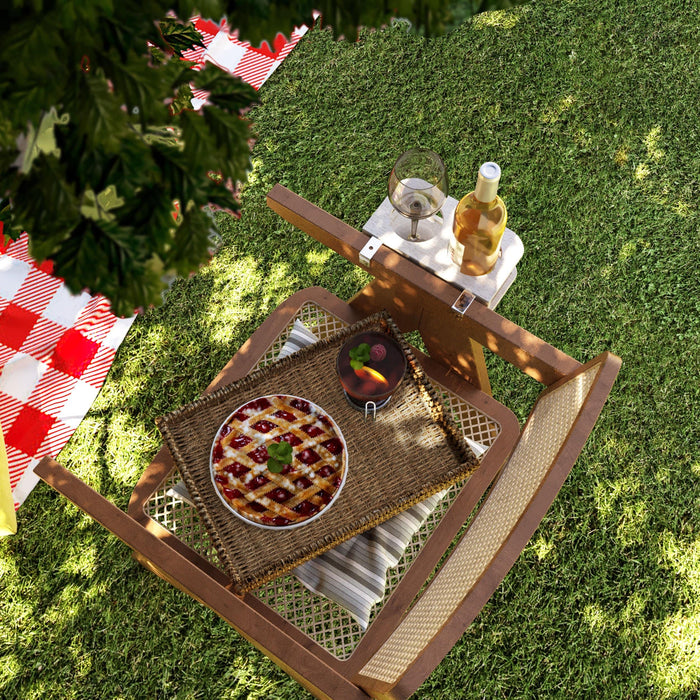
x,y
417,189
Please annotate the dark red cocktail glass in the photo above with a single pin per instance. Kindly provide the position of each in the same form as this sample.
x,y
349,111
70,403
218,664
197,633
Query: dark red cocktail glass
x,y
378,379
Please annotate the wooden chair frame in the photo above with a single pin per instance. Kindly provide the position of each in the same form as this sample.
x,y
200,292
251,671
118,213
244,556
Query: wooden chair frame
x,y
417,300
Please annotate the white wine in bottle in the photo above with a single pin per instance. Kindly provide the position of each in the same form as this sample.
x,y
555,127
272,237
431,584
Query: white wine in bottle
x,y
479,223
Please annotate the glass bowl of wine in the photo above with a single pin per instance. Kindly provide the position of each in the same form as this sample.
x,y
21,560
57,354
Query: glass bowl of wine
x,y
370,366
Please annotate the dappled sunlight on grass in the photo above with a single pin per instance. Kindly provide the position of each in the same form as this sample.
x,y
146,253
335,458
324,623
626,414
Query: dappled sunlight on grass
x,y
20,611
684,560
621,156
632,523
651,141
81,561
609,494
8,568
10,667
653,174
542,547
628,249
553,114
626,621
68,603
503,19
228,306
254,172
683,208
316,259
598,619
677,665
641,172
677,662
126,446
82,659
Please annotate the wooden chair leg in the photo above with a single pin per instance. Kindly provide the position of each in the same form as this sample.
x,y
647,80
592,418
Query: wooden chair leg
x,y
455,349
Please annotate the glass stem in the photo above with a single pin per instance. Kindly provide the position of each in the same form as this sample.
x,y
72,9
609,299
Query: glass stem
x,y
414,230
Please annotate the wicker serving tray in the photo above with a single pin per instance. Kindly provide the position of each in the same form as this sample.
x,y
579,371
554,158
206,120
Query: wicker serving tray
x,y
412,450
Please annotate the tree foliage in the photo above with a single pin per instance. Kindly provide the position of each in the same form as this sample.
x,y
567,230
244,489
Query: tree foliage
x,y
260,19
98,140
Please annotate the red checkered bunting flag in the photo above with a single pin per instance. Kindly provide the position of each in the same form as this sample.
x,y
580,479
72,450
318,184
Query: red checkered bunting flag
x,y
222,47
55,351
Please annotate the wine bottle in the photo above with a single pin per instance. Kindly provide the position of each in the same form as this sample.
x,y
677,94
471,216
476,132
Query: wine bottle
x,y
479,223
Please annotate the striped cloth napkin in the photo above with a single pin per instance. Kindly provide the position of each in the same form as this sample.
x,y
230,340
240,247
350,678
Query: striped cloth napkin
x,y
55,351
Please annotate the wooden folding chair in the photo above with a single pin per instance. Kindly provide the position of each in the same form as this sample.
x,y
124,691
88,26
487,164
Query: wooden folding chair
x,y
416,624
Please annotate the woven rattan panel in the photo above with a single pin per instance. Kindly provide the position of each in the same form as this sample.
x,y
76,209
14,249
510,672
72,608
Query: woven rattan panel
x,y
322,620
543,436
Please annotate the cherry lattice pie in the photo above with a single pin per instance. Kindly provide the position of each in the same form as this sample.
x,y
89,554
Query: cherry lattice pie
x,y
304,487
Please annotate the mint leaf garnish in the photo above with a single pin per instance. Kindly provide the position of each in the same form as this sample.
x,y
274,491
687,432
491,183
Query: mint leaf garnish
x,y
274,466
359,355
279,454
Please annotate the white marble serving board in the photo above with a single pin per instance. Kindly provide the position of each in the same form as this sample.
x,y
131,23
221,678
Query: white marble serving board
x,y
433,254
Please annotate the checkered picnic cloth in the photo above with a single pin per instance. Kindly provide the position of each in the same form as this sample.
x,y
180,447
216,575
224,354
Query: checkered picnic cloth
x,y
223,47
55,351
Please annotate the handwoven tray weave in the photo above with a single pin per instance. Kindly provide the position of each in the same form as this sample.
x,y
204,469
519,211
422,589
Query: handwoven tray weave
x,y
412,450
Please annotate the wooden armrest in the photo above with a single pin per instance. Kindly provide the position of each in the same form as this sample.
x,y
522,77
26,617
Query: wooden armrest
x,y
176,568
409,292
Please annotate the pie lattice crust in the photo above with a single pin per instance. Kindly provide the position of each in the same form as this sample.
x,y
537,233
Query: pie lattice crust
x,y
304,488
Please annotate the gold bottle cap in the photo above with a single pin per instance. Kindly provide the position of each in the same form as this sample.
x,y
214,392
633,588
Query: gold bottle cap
x,y
487,182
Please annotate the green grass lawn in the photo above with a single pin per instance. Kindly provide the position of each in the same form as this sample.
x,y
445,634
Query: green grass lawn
x,y
591,109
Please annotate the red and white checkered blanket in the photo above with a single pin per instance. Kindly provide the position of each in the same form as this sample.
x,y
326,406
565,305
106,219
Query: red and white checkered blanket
x,y
55,347
222,47
55,351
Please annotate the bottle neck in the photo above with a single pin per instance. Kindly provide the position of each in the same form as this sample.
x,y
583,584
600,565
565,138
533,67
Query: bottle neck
x,y
485,190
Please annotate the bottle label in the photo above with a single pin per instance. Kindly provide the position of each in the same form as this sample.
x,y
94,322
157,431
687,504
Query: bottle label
x,y
456,250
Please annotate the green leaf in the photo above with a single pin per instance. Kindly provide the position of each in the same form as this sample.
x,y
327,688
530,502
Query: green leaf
x,y
105,258
179,36
98,207
281,451
176,173
226,90
9,229
158,56
230,133
36,53
274,465
182,100
99,115
200,146
41,140
52,214
359,355
150,212
190,246
141,88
